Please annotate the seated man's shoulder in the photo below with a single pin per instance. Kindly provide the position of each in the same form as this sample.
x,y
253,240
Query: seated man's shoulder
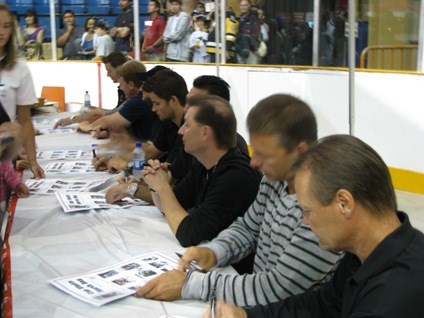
x,y
236,161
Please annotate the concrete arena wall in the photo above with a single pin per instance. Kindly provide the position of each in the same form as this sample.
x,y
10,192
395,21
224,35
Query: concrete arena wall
x,y
389,112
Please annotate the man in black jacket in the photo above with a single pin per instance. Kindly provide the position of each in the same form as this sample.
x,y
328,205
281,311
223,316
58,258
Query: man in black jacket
x,y
220,185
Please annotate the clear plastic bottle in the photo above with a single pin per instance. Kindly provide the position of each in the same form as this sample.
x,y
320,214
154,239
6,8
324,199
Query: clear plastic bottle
x,y
138,160
87,101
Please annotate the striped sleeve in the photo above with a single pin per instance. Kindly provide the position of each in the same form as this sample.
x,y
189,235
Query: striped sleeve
x,y
288,259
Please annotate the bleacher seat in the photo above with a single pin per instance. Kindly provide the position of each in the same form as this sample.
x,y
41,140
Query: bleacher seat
x,y
73,2
23,2
80,20
43,2
76,8
110,19
97,2
115,9
98,9
20,9
44,20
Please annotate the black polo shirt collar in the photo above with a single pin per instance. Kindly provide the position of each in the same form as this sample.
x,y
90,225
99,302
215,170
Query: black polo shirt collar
x,y
386,251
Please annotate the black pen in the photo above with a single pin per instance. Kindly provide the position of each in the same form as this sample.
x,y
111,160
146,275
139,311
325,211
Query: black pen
x,y
94,146
193,264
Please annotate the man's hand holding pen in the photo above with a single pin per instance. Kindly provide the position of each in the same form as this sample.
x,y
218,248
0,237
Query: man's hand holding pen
x,y
119,191
203,257
168,286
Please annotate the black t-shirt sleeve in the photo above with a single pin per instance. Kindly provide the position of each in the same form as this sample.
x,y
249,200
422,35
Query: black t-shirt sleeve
x,y
134,110
228,196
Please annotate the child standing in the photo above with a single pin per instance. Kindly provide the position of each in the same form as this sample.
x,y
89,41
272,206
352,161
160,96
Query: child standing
x,y
10,180
197,41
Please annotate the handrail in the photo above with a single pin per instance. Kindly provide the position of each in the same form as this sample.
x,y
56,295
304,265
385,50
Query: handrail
x,y
396,54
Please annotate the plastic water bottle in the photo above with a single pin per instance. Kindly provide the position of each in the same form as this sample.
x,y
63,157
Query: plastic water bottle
x,y
87,102
86,107
138,160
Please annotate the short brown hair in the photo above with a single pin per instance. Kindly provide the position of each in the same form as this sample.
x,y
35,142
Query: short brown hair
x,y
285,116
165,84
115,59
216,112
346,162
129,71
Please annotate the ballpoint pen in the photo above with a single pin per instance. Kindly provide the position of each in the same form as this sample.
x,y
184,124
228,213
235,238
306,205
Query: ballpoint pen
x,y
193,264
212,300
93,148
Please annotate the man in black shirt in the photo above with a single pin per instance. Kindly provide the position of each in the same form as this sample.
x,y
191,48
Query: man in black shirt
x,y
167,91
214,85
348,199
220,185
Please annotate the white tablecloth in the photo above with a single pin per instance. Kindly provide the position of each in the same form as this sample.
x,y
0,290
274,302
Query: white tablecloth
x,y
45,243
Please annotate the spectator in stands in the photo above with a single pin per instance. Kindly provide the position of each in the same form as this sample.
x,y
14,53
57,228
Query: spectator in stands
x,y
32,30
275,45
220,184
154,26
347,197
339,48
249,34
177,34
231,29
264,25
105,44
288,259
194,16
302,52
89,39
70,37
111,62
123,28
33,51
200,6
18,87
198,40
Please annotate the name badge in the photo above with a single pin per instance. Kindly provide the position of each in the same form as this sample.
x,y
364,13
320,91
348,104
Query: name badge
x,y
148,23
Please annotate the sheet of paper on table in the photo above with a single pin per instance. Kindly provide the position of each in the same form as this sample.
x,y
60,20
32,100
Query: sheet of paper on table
x,y
114,282
51,186
64,155
70,167
83,201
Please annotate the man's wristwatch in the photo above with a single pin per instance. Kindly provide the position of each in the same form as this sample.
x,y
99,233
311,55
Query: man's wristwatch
x,y
132,189
72,118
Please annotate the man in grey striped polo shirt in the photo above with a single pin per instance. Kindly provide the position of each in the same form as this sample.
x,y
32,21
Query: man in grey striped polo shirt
x,y
288,260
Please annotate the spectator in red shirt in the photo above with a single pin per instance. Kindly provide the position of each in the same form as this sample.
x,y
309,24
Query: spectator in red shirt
x,y
152,48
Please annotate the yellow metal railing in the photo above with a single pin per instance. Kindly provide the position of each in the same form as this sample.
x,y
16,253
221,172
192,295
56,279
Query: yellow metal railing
x,y
389,57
